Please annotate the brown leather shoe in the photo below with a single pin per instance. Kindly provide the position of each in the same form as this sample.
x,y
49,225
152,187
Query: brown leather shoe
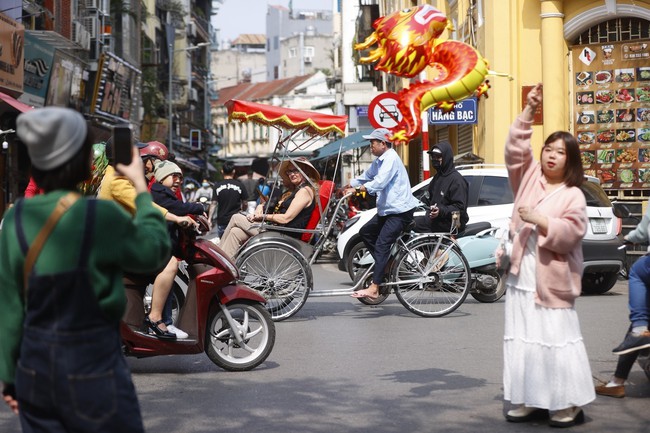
x,y
617,391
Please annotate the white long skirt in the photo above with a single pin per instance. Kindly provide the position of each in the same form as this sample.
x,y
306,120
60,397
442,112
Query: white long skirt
x,y
545,360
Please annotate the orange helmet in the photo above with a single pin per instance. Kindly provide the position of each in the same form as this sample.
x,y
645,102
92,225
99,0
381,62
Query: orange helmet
x,y
154,149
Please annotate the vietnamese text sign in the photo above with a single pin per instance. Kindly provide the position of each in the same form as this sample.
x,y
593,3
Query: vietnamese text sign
x,y
12,39
464,112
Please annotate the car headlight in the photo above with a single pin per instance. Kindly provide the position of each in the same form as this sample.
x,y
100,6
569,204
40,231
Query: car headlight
x,y
349,223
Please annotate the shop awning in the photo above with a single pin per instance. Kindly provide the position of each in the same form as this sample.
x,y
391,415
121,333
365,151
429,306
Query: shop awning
x,y
350,142
14,103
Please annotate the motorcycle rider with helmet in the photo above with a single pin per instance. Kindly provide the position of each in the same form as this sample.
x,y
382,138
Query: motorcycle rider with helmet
x,y
121,190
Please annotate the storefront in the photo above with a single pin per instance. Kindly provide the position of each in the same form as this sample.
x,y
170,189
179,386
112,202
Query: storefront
x,y
12,37
593,59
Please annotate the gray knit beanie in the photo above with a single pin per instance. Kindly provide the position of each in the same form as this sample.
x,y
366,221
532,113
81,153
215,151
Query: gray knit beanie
x,y
53,135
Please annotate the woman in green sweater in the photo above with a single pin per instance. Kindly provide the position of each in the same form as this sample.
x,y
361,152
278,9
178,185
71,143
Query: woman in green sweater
x,y
60,350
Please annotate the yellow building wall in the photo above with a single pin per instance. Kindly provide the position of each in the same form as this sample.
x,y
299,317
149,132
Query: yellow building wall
x,y
524,39
515,40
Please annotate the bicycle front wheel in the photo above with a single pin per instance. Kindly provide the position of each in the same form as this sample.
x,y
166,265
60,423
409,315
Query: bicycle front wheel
x,y
432,277
280,273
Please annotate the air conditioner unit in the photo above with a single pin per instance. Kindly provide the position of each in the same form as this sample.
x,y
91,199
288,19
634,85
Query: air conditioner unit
x,y
91,24
93,4
191,30
308,59
80,35
194,95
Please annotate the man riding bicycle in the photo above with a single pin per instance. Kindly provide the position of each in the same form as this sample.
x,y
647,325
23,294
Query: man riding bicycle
x,y
387,178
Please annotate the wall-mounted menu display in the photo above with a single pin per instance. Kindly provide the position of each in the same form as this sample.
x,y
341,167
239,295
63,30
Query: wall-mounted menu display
x,y
612,112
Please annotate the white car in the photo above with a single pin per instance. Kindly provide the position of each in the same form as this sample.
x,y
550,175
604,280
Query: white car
x,y
490,199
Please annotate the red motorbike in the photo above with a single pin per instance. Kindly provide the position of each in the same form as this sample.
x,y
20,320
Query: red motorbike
x,y
225,319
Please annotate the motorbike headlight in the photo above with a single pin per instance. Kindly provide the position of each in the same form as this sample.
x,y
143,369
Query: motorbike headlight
x,y
349,223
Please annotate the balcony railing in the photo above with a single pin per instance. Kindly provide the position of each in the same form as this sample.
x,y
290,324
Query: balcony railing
x,y
202,27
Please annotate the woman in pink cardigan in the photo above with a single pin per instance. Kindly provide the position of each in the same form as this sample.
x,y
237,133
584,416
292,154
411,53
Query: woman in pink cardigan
x,y
545,361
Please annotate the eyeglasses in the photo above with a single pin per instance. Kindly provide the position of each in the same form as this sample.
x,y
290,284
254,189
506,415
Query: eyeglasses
x,y
293,171
435,156
177,176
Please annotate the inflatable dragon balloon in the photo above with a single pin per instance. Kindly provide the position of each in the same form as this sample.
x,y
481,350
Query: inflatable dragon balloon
x,y
407,43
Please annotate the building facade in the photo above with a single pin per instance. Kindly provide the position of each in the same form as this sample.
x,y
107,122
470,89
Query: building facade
x,y
145,63
244,61
282,23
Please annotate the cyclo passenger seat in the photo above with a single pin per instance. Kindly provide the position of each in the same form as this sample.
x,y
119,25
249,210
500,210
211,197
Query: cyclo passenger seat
x,y
324,193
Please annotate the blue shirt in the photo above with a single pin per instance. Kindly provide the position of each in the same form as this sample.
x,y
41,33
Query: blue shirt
x,y
387,179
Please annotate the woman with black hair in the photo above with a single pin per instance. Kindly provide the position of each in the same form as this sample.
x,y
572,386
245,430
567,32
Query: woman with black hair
x,y
546,368
62,258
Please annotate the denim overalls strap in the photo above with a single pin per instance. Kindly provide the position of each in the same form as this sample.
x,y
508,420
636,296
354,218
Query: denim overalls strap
x,y
71,374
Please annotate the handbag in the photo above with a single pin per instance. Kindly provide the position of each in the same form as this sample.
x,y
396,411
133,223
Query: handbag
x,y
503,252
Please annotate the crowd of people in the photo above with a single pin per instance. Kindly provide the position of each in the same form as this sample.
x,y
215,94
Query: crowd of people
x,y
48,317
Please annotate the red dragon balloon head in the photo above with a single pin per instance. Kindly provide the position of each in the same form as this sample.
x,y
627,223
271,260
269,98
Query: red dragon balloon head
x,y
405,40
407,43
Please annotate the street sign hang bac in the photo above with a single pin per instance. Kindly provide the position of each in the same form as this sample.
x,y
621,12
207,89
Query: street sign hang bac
x,y
464,112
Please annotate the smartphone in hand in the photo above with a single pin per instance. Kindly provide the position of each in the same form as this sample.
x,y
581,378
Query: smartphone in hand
x,y
122,146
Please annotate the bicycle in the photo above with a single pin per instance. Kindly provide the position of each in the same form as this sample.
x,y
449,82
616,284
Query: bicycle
x,y
428,272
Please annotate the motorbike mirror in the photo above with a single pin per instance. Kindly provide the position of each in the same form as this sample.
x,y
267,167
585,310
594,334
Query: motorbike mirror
x,y
204,225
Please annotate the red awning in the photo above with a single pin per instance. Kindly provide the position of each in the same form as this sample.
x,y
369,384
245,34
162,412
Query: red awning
x,y
315,123
20,106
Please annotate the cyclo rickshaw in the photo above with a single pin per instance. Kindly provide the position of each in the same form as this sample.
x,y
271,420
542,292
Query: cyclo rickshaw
x,y
428,272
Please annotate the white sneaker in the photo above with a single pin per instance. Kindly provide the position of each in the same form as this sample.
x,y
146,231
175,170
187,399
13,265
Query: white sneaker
x,y
179,333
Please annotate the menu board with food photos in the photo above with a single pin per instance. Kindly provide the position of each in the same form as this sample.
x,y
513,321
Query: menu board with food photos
x,y
612,112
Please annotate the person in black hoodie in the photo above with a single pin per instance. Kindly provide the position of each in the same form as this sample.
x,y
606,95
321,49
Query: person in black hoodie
x,y
447,193
169,179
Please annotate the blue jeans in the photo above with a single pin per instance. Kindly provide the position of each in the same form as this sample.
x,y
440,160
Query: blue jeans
x,y
221,229
379,234
639,301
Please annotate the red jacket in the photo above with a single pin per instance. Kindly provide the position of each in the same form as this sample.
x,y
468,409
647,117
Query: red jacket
x,y
32,189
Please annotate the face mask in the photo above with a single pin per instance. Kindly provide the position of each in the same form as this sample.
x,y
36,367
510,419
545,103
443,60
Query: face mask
x,y
436,163
205,184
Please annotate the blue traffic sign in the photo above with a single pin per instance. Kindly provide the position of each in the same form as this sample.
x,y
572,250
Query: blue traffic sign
x,y
464,112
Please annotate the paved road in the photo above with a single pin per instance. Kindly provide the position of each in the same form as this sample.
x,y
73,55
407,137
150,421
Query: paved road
x,y
340,366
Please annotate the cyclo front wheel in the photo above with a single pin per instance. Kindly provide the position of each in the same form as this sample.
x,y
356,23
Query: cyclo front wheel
x,y
432,276
281,273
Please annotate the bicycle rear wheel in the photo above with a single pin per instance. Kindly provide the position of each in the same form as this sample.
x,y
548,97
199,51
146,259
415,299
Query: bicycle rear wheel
x,y
280,273
432,276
